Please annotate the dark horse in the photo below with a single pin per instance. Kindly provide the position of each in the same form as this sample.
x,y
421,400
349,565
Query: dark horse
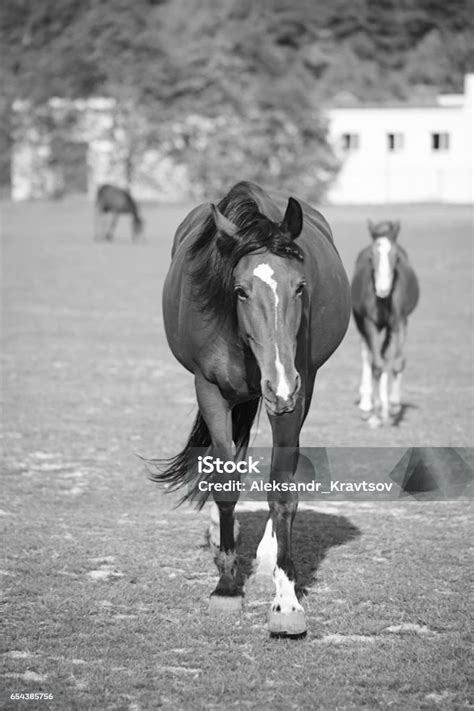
x,y
384,293
255,301
109,204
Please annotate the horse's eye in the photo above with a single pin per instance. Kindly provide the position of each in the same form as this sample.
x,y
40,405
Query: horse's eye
x,y
300,289
241,293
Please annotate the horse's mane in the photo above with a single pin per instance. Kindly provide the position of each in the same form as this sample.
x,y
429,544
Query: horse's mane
x,y
214,257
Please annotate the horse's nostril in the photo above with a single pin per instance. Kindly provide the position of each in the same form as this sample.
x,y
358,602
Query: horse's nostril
x,y
269,387
297,384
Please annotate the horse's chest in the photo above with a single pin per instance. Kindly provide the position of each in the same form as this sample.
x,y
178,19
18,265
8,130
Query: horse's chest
x,y
383,313
237,376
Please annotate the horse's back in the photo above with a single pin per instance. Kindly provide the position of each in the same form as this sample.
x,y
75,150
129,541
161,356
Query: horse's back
x,y
410,288
110,197
191,227
273,204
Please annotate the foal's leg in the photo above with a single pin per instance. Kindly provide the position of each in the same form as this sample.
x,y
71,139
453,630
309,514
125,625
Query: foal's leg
x,y
365,390
398,366
110,229
227,597
379,375
287,618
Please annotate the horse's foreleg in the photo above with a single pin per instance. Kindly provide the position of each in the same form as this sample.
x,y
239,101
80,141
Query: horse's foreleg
x,y
227,597
365,390
398,366
379,378
110,227
287,618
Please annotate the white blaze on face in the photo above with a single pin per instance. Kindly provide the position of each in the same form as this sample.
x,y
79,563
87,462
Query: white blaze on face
x,y
264,272
383,276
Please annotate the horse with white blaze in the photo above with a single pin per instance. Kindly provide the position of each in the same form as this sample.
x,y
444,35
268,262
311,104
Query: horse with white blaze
x,y
385,292
255,301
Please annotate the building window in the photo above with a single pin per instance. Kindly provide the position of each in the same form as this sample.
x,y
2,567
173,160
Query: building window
x,y
440,141
395,141
350,141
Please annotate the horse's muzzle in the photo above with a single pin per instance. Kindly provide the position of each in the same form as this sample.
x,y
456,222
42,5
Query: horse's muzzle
x,y
276,404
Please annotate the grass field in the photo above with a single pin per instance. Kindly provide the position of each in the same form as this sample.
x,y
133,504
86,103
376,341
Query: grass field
x,y
106,585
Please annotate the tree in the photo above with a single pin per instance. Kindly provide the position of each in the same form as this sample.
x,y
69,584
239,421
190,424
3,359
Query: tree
x,y
230,88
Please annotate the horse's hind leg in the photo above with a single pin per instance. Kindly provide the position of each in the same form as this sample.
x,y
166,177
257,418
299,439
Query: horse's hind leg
x,y
214,531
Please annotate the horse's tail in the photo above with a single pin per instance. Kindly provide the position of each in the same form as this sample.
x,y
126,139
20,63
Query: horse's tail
x,y
243,417
180,471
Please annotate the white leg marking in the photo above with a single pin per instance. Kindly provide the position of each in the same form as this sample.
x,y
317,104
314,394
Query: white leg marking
x,y
285,597
396,389
383,276
383,394
214,528
365,389
266,556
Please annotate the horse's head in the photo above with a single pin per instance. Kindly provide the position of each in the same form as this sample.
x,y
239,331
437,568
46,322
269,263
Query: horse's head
x,y
268,284
384,255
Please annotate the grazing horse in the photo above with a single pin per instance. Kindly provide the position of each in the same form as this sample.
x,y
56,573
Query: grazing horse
x,y
110,203
255,301
384,293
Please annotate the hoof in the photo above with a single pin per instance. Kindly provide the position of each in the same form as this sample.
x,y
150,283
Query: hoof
x,y
365,414
287,624
395,409
374,422
218,604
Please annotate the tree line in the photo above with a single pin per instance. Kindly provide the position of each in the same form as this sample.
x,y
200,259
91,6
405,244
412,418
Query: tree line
x,y
231,88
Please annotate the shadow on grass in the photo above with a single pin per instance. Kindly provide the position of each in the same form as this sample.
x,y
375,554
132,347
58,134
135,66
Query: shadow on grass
x,y
314,534
400,416
395,419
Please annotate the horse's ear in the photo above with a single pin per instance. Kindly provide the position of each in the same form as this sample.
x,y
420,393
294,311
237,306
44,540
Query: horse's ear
x,y
224,227
371,227
395,229
293,221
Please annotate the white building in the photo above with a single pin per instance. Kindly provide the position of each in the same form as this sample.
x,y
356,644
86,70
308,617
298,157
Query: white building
x,y
390,154
404,153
